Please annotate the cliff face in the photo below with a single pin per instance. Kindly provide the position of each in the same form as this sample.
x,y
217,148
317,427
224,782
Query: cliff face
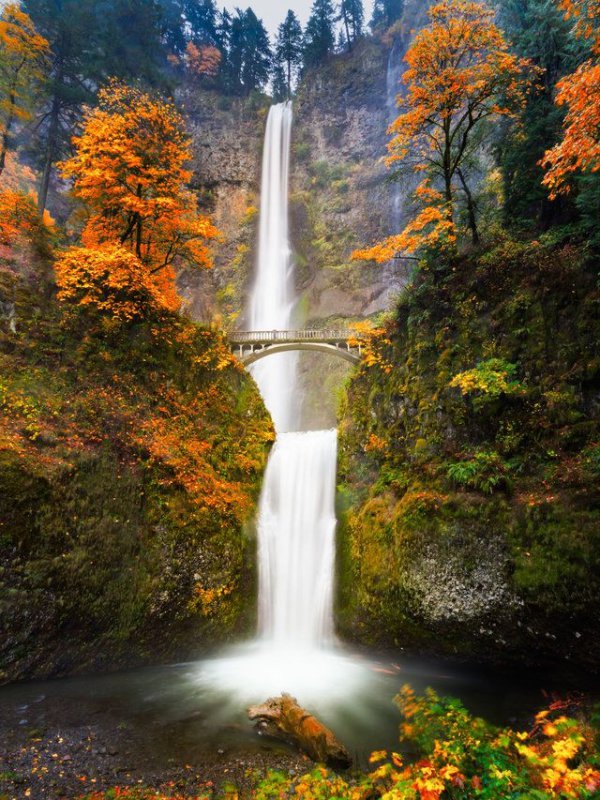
x,y
130,461
340,198
227,138
470,464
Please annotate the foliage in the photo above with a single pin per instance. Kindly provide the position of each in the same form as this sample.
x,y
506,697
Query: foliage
x,y
129,169
540,33
485,472
579,92
461,76
385,13
248,53
23,64
319,37
288,50
579,150
352,14
20,223
113,281
493,377
203,61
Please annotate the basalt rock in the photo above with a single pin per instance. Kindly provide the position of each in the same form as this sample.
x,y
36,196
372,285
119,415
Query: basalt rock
x,y
283,718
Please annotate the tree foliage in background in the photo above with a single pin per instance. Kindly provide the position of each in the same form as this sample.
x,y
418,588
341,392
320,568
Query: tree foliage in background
x,y
23,65
319,34
352,17
579,150
90,42
385,13
129,170
538,32
460,76
288,55
248,55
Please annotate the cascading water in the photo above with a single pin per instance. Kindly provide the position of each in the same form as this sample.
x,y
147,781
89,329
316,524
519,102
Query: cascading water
x,y
295,650
272,300
296,523
296,541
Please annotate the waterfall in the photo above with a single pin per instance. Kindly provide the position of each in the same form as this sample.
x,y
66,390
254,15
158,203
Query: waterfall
x,y
272,298
394,72
296,540
296,522
295,649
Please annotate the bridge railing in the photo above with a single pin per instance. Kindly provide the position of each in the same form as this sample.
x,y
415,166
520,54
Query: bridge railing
x,y
251,337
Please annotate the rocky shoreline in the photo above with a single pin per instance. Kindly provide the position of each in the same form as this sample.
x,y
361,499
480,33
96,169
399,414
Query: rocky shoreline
x,y
55,749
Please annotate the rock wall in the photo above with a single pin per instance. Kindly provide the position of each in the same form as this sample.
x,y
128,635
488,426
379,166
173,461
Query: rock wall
x,y
470,465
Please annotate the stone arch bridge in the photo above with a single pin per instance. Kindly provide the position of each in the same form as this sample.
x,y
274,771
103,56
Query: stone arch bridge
x,y
251,346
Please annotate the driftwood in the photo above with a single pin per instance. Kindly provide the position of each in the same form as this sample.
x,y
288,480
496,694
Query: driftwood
x,y
283,718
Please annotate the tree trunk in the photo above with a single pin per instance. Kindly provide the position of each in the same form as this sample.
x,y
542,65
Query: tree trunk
x,y
346,26
49,158
6,134
283,718
470,208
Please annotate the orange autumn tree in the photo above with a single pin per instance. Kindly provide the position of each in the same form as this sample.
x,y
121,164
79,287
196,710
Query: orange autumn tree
x,y
23,65
203,61
579,150
129,168
460,76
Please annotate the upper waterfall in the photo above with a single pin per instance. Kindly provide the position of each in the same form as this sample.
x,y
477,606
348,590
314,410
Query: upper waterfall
x,y
272,300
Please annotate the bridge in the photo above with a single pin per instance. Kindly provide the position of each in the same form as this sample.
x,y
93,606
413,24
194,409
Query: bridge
x,y
251,346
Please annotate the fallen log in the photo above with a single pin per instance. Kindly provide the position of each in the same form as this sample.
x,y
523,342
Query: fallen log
x,y
283,718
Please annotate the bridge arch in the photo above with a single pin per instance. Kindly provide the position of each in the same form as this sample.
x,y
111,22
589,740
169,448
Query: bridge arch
x,y
321,347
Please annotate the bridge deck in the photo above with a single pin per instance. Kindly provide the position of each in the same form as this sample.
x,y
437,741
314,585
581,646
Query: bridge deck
x,y
271,337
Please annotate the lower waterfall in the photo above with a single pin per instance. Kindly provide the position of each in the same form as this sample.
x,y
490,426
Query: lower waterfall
x,y
296,553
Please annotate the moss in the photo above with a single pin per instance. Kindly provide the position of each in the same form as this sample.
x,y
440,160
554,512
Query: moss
x,y
475,520
124,531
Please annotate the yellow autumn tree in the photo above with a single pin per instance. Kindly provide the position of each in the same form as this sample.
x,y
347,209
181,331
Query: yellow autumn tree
x,y
129,169
579,93
23,65
460,75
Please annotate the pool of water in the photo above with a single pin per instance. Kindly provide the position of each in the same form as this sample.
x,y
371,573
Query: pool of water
x,y
183,709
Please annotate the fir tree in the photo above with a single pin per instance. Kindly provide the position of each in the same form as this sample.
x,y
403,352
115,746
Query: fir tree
x,y
538,31
201,18
288,52
352,15
249,56
385,13
319,36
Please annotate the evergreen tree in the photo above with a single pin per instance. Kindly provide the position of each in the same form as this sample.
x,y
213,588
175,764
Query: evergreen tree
x,y
538,31
352,15
171,24
89,42
257,56
288,52
249,54
385,13
319,36
131,36
201,18
280,84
